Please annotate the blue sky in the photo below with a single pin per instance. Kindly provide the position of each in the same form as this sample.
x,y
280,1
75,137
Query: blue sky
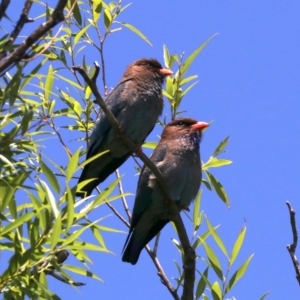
x,y
249,85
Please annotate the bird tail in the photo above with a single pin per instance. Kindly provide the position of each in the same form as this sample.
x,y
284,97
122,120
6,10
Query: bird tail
x,y
133,248
134,245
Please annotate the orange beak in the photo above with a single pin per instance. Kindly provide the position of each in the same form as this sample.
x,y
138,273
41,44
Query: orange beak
x,y
199,125
165,72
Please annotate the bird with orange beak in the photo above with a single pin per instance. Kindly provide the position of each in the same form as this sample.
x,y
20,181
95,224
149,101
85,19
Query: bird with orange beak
x,y
136,103
177,157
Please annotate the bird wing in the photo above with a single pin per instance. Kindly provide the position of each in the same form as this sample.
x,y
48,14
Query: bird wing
x,y
116,104
144,191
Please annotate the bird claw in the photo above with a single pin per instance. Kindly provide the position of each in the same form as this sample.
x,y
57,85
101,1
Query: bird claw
x,y
186,208
138,151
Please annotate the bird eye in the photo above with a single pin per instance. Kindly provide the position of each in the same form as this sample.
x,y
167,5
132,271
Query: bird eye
x,y
180,123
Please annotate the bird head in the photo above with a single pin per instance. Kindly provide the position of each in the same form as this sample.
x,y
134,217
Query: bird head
x,y
145,67
188,130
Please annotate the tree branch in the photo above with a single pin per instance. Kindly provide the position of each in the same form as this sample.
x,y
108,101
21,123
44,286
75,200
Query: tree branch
x,y
189,253
56,17
292,248
3,6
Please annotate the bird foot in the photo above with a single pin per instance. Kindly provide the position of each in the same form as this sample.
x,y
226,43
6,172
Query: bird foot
x,y
186,208
138,151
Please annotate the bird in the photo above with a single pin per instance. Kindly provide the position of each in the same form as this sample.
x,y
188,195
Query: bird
x,y
177,157
136,103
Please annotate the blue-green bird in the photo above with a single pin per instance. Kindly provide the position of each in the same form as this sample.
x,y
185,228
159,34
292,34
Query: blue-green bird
x,y
178,159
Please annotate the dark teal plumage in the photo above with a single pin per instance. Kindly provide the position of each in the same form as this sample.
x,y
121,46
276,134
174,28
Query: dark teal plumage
x,y
136,103
178,159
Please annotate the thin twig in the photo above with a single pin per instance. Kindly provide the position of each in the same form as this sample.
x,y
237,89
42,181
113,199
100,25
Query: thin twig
x,y
117,214
189,252
292,248
156,243
52,125
162,275
123,197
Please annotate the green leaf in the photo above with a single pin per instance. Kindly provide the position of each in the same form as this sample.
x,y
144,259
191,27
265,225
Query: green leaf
x,y
73,164
178,246
187,89
150,145
56,232
216,237
237,245
18,222
202,238
50,198
221,146
166,56
191,58
264,296
50,176
169,88
218,188
77,233
81,271
27,118
206,183
238,274
49,83
97,8
202,283
81,33
6,161
197,213
107,18
188,79
70,208
213,259
73,83
91,159
76,12
216,291
214,162
136,31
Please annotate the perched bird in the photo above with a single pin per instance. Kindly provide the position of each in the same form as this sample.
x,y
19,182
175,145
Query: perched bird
x,y
136,103
178,159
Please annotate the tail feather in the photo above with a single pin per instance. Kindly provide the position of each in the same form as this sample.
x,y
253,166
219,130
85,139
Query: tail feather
x,y
133,249
134,246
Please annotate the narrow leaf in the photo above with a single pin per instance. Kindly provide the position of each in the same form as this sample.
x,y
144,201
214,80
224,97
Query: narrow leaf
x,y
237,245
136,31
81,33
72,164
56,232
219,189
50,198
221,146
49,83
197,213
216,291
202,283
50,176
213,259
18,222
238,274
216,237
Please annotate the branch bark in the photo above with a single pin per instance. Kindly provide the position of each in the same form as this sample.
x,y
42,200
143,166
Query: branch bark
x,y
292,248
189,253
56,17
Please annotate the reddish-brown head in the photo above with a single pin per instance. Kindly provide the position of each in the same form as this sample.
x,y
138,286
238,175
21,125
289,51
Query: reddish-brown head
x,y
147,67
